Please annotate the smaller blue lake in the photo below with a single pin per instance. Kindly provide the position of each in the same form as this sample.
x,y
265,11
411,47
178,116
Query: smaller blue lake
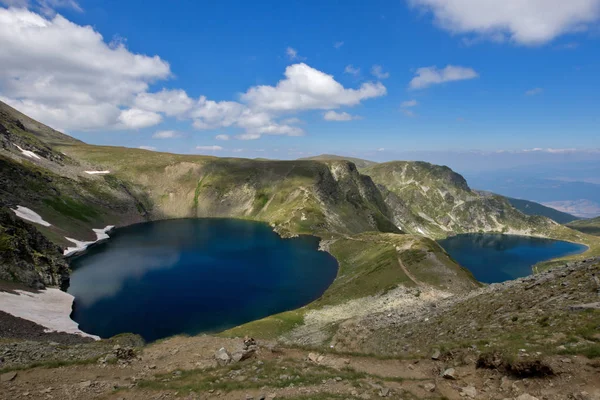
x,y
190,276
496,258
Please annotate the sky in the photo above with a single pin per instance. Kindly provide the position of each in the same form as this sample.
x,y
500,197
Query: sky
x,y
481,80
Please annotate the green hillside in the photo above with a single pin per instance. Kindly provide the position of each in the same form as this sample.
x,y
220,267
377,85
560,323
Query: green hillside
x,y
589,226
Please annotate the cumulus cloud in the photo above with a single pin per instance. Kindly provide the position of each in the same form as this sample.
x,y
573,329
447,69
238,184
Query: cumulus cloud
x,y
350,69
534,91
337,45
170,102
67,76
136,119
222,137
428,76
209,148
166,135
306,88
377,72
339,116
526,22
47,7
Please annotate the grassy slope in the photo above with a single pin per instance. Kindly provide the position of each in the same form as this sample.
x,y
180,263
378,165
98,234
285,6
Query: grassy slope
x,y
293,196
369,266
588,226
533,208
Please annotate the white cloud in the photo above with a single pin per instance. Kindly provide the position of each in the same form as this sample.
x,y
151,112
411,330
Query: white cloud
x,y
150,148
166,135
222,137
305,88
210,114
293,54
381,149
69,77
338,116
405,105
209,148
534,91
170,102
527,22
409,103
428,76
136,119
350,69
377,72
337,45
47,7
553,151
66,75
248,136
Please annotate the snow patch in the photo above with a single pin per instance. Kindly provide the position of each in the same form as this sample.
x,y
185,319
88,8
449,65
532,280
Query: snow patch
x,y
97,172
28,153
420,230
101,234
30,215
50,308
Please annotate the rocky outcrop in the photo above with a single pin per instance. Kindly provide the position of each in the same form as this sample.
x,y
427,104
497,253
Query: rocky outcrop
x,y
434,201
27,256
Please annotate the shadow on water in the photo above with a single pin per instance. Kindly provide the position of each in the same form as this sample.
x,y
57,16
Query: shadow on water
x,y
190,276
496,258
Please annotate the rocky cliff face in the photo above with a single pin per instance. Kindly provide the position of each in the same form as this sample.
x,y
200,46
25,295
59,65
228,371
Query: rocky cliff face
x,y
435,201
27,256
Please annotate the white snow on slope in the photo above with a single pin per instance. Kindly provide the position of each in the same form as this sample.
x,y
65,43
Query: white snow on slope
x,y
101,234
97,172
30,215
28,153
50,308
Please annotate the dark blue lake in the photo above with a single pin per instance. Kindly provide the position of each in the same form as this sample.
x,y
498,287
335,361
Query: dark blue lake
x,y
194,275
496,258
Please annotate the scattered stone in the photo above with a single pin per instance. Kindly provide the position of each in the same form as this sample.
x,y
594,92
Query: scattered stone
x,y
85,384
222,356
430,387
469,391
384,392
450,373
9,376
435,355
314,357
526,396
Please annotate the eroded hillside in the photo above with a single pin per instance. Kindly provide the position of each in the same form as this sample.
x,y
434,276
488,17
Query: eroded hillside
x,y
435,201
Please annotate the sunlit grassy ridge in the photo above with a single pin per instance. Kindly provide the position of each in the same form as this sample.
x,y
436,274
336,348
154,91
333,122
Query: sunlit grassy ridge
x,y
588,226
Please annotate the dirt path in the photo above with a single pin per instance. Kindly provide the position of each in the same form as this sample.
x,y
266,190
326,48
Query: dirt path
x,y
185,368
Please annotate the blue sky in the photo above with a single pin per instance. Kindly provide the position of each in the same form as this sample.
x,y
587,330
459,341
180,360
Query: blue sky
x,y
450,75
